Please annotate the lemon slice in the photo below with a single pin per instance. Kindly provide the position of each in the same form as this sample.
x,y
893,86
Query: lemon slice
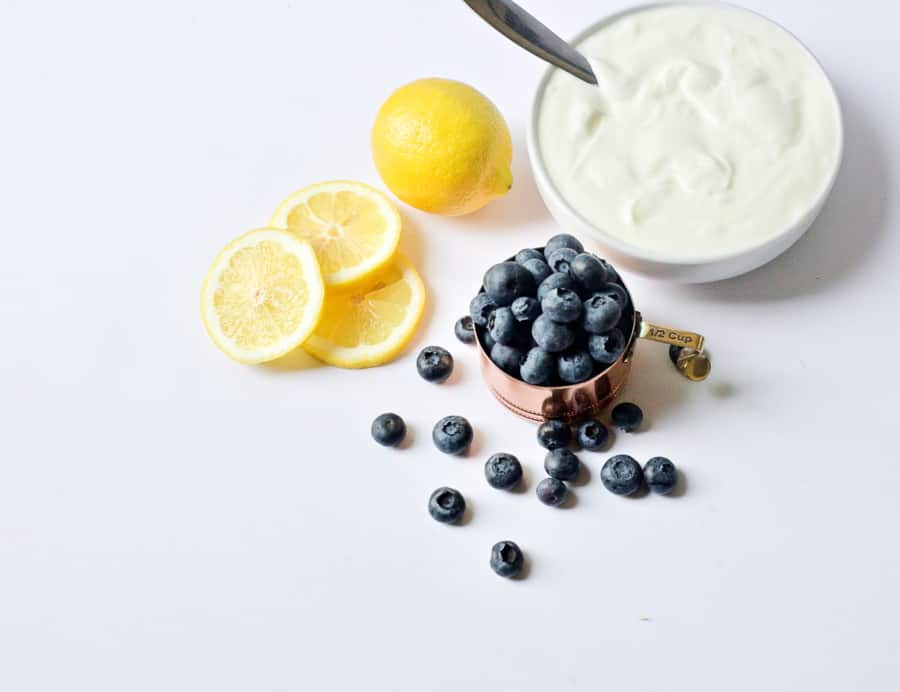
x,y
371,324
263,295
353,228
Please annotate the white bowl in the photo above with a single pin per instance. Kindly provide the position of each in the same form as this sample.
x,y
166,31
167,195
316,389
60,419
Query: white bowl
x,y
654,264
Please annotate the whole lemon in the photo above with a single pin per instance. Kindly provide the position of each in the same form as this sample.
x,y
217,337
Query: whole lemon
x,y
442,146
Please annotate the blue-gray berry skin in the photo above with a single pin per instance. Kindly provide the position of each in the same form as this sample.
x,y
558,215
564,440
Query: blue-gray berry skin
x,y
525,309
539,366
552,336
446,505
486,339
452,435
507,281
434,364
588,272
388,429
561,464
508,358
601,313
621,475
481,308
611,274
627,416
591,434
557,280
538,269
560,241
561,260
674,352
464,329
528,253
562,305
617,293
503,471
660,475
551,491
506,559
574,366
554,434
503,326
607,348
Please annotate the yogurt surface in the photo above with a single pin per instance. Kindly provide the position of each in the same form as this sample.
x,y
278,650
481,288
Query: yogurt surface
x,y
711,130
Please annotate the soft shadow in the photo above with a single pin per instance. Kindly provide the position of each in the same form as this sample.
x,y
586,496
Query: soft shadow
x,y
680,489
584,475
298,359
409,439
467,515
457,374
526,568
846,232
654,385
638,494
570,501
522,486
476,447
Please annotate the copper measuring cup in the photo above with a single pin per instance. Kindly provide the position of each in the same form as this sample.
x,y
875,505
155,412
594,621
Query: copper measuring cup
x,y
570,402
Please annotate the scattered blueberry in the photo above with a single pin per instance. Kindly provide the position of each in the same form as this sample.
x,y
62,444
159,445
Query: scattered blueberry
x,y
503,326
525,309
551,491
562,240
591,434
465,330
528,253
607,348
388,429
561,464
558,280
554,434
446,505
601,313
538,268
660,475
508,358
434,364
506,559
621,475
503,471
507,281
452,435
539,366
481,308
561,260
562,305
627,416
575,366
588,272
552,336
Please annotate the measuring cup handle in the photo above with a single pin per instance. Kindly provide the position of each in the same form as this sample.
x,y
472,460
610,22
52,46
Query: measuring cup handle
x,y
669,335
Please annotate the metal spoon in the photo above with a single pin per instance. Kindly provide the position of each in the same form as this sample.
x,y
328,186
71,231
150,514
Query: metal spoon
x,y
521,28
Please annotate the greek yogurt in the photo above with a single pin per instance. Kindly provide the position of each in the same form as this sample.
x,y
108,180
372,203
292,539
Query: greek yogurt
x,y
711,130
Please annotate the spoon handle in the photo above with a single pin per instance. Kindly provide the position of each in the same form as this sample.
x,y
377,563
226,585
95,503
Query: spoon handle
x,y
521,28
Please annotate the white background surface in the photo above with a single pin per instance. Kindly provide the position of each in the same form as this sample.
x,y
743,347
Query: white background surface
x,y
172,521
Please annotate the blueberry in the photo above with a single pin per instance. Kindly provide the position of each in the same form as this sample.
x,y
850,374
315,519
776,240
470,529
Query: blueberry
x,y
508,358
507,281
465,330
552,336
506,559
611,274
561,260
588,272
538,367
562,240
446,505
607,348
388,429
591,434
621,475
575,366
558,280
522,256
561,464
538,269
554,434
551,491
486,339
503,326
434,364
617,293
502,471
660,475
452,435
481,308
627,416
525,309
562,305
601,313
674,352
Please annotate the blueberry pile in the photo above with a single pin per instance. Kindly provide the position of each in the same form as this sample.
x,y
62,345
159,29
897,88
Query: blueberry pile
x,y
554,316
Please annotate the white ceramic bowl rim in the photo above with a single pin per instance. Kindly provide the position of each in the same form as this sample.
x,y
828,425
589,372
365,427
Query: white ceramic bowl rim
x,y
637,252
